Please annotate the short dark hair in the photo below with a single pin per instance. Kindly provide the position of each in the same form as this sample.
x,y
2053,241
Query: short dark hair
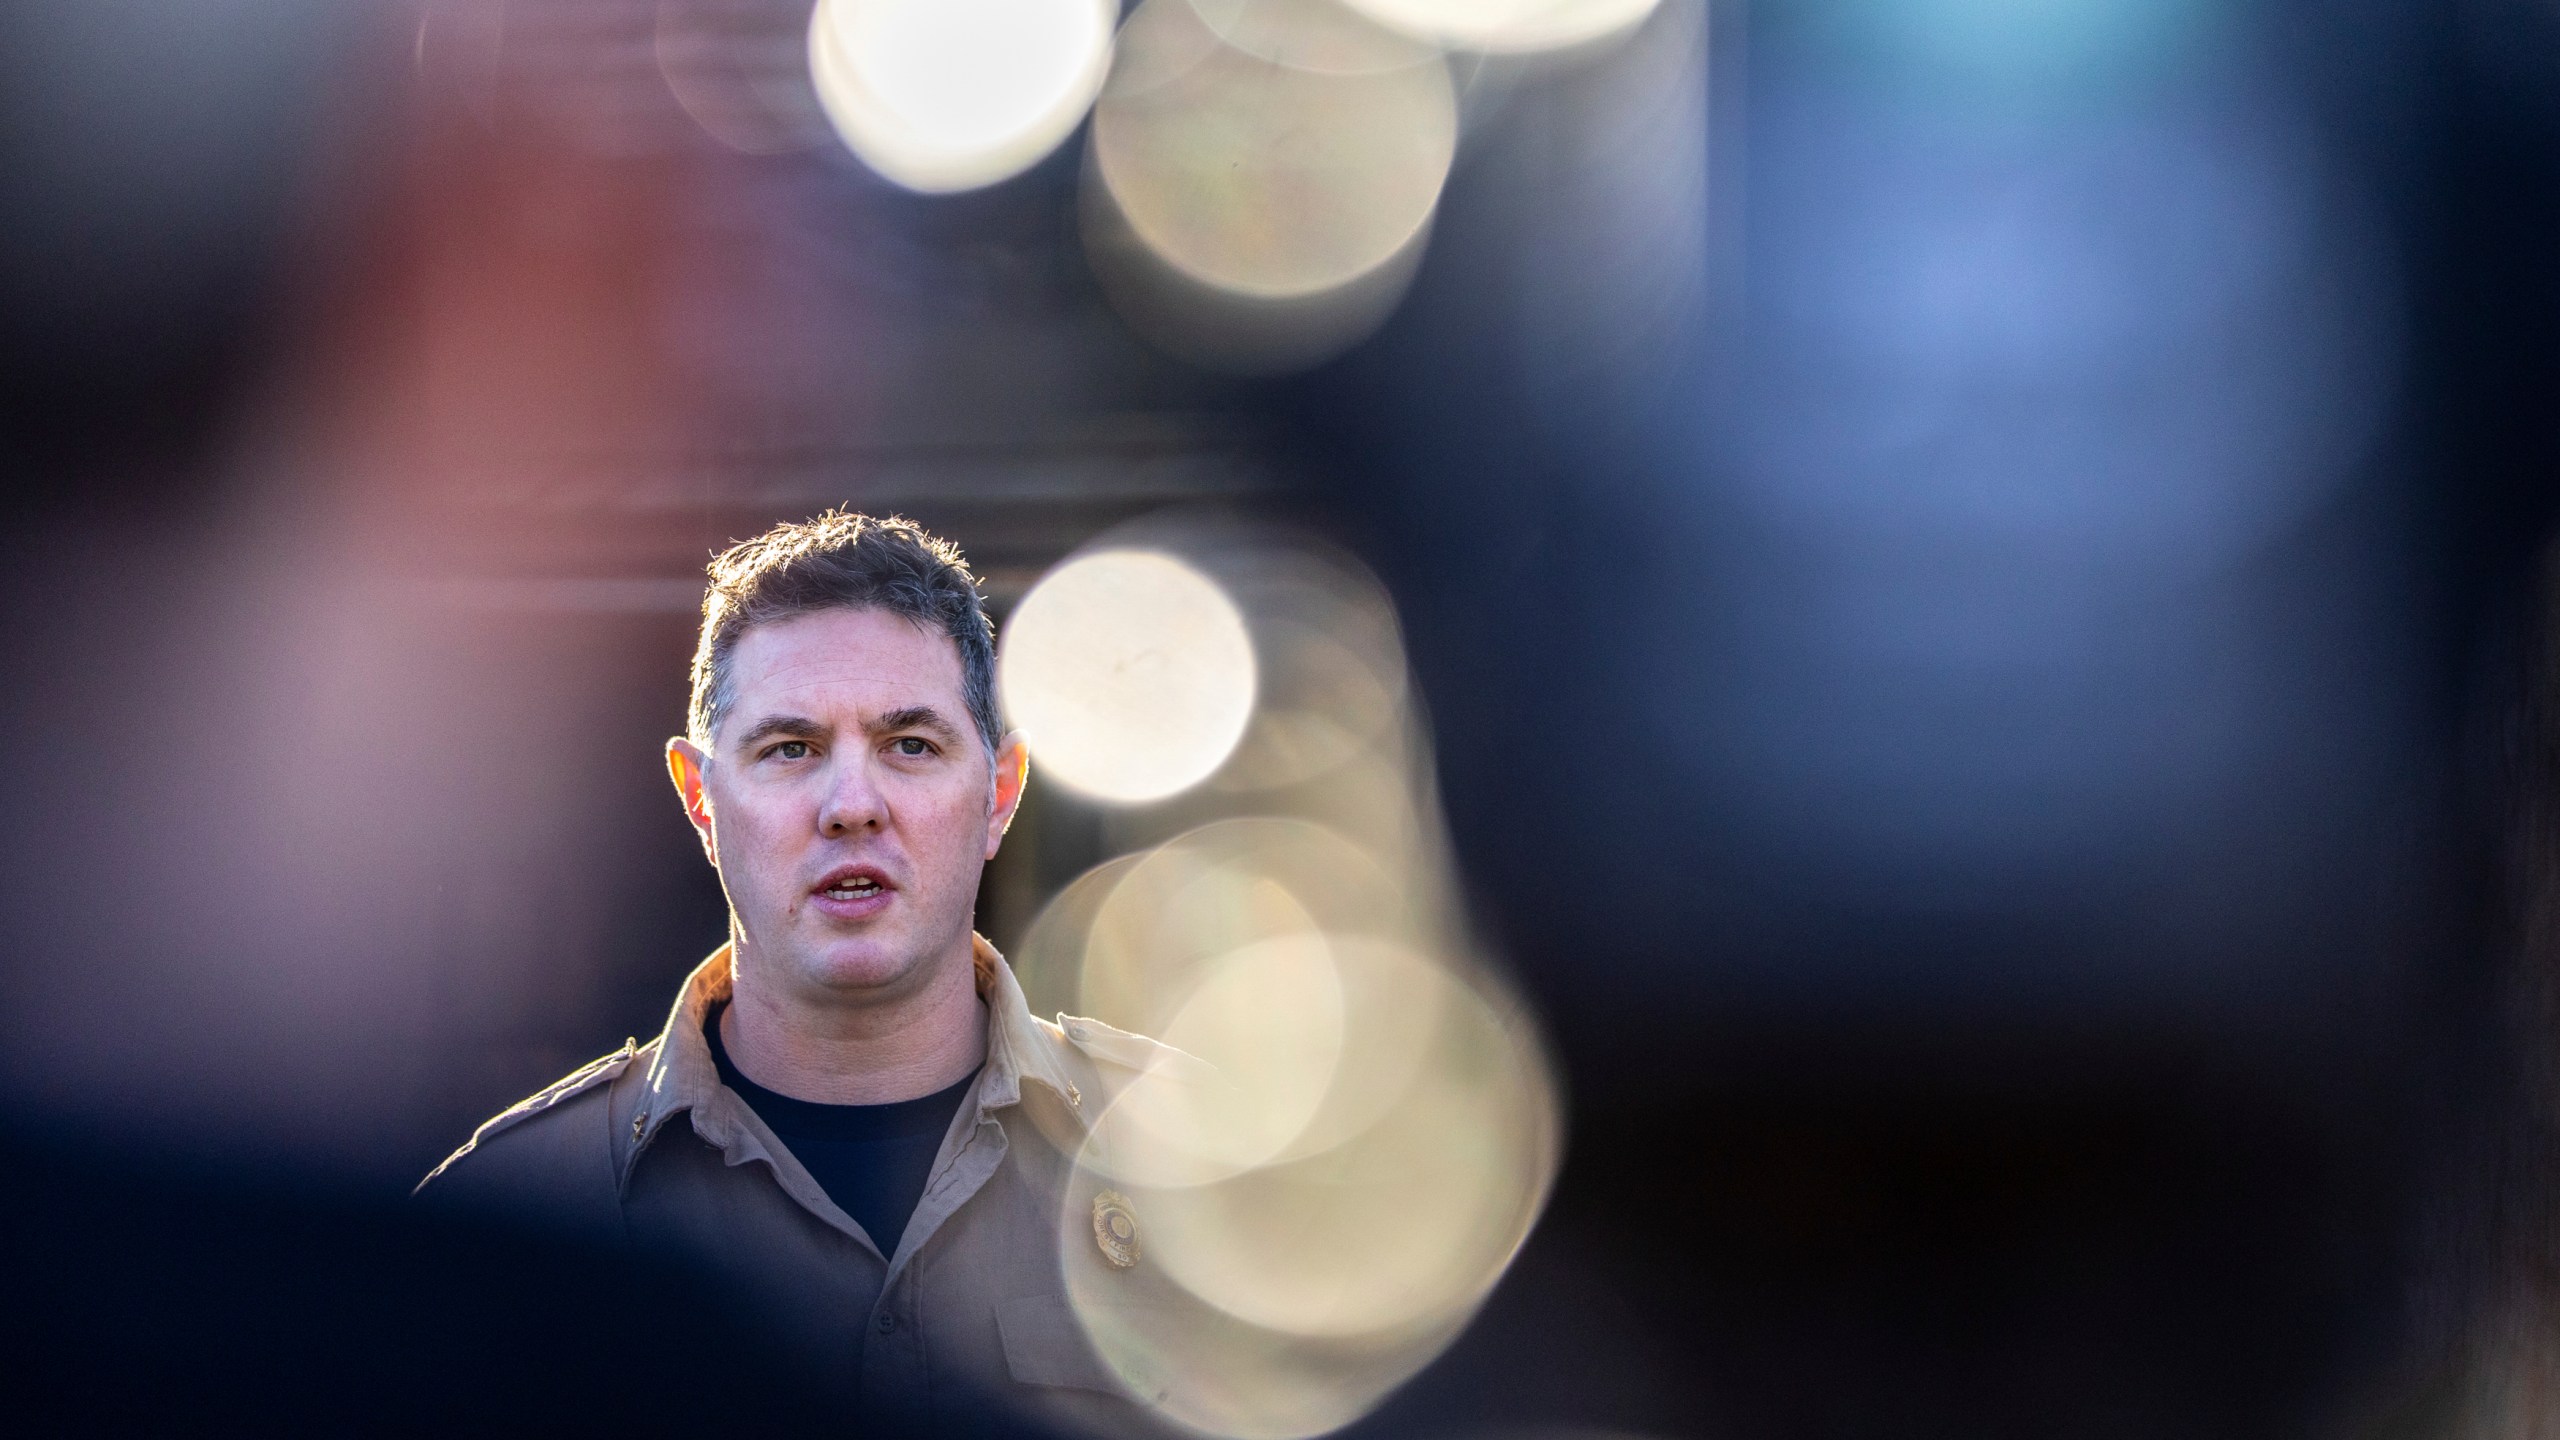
x,y
843,560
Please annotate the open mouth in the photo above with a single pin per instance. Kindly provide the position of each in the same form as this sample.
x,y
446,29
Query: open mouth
x,y
855,884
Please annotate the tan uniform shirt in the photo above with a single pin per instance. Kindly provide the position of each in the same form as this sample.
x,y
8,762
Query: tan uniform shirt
x,y
646,1149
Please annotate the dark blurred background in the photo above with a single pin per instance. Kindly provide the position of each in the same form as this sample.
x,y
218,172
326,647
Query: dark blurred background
x,y
1974,567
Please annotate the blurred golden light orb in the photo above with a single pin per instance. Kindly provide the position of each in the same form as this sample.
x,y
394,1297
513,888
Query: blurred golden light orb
x,y
1282,152
1403,1219
1267,1027
1132,674
1290,1295
1048,961
1218,889
943,95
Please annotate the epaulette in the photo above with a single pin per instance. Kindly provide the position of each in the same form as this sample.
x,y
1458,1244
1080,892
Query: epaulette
x,y
577,1082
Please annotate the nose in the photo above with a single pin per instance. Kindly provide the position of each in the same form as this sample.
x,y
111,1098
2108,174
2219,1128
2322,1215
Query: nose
x,y
852,802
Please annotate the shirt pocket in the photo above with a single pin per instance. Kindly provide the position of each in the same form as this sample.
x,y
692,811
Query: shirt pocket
x,y
1044,1344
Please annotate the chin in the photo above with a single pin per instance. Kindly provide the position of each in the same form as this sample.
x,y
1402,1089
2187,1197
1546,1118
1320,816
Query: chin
x,y
859,966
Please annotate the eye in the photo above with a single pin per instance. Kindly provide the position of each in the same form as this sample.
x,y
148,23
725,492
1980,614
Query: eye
x,y
912,745
790,750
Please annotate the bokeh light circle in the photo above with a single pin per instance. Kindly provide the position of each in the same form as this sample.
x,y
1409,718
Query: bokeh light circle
x,y
942,95
1512,26
1266,178
1349,1122
1267,1027
1048,961
1287,1297
1220,888
1131,673
740,68
1319,35
1412,1217
1332,667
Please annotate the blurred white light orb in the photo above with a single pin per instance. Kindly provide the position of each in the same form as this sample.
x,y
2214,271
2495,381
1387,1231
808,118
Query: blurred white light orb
x,y
1131,673
1507,26
1273,179
942,95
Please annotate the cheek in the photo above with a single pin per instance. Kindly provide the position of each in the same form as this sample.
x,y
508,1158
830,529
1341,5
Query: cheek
x,y
941,821
757,825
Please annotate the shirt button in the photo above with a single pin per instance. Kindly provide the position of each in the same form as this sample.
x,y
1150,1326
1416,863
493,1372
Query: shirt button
x,y
888,1322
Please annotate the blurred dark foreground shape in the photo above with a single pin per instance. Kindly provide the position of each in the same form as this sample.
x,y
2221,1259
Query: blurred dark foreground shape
x,y
158,1298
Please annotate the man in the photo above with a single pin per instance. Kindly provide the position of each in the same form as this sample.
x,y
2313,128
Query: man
x,y
851,1111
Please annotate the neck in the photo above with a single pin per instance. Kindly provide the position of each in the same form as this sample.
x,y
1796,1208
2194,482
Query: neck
x,y
874,1052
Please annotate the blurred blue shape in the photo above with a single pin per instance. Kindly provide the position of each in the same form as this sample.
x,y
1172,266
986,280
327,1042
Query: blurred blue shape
x,y
1989,55
1959,471
2019,415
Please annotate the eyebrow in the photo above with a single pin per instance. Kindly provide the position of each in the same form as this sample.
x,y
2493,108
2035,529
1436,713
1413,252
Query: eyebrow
x,y
794,726
916,717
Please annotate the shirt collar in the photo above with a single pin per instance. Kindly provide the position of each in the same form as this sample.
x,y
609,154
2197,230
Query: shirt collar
x,y
1020,1046
682,1077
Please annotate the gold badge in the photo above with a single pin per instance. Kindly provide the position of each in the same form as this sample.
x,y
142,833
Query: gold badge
x,y
1115,1229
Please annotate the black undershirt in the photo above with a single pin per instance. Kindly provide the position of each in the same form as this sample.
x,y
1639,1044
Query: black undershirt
x,y
872,1160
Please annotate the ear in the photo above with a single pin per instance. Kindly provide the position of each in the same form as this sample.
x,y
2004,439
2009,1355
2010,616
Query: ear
x,y
1013,771
685,763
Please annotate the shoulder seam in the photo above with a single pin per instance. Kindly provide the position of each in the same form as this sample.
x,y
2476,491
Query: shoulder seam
x,y
1098,1041
586,1077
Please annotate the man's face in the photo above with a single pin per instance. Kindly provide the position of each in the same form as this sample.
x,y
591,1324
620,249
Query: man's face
x,y
848,804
